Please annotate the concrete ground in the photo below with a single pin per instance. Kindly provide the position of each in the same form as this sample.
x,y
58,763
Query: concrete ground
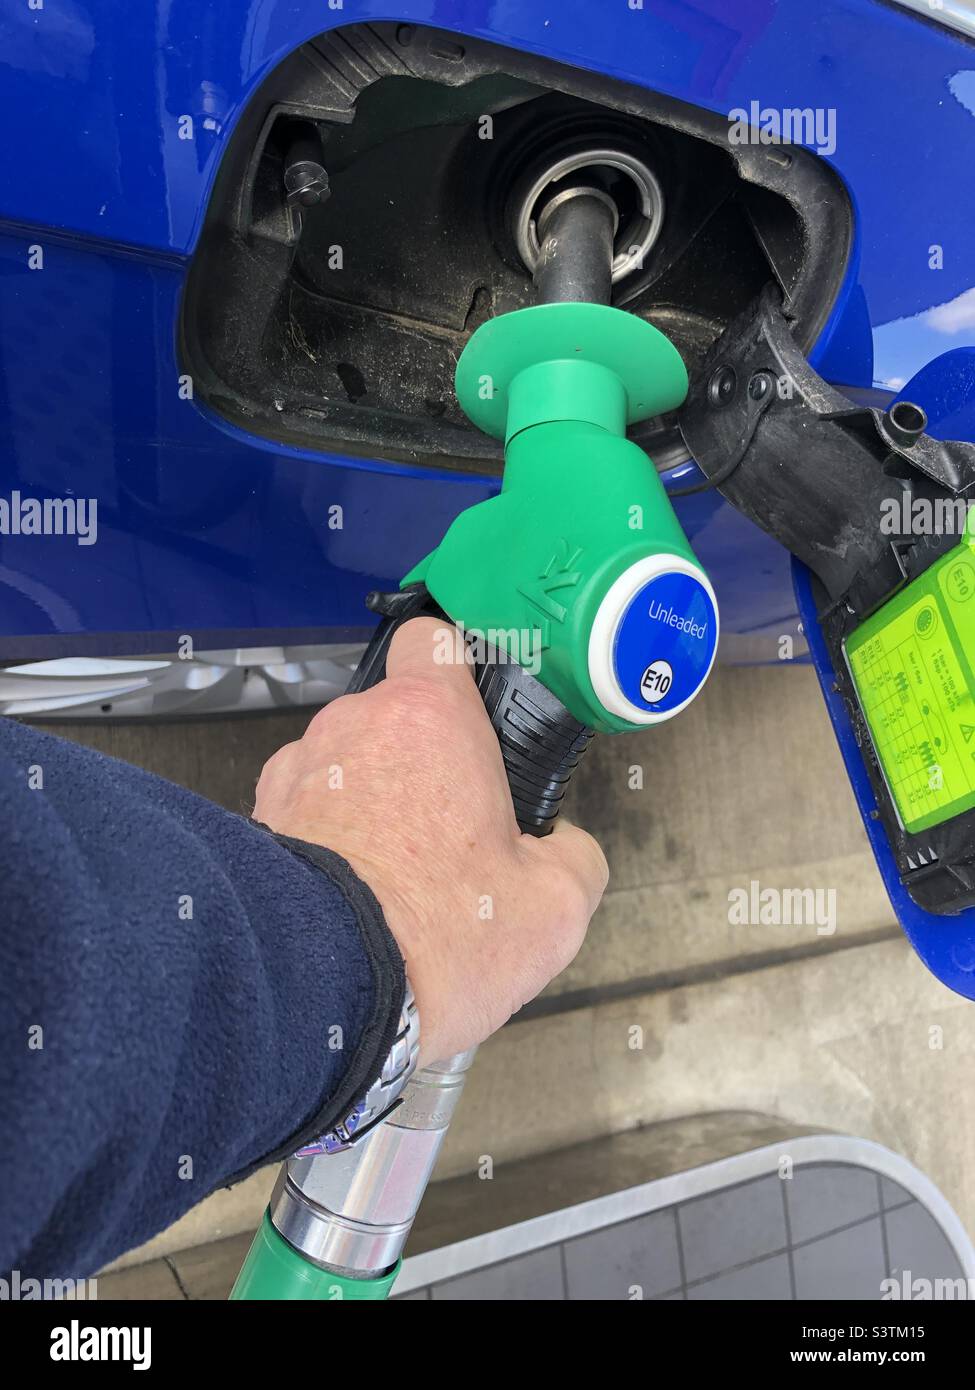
x,y
833,1024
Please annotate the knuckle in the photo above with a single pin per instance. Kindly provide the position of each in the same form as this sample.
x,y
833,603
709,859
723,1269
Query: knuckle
x,y
599,864
414,691
589,865
424,705
324,720
274,782
277,766
316,726
576,899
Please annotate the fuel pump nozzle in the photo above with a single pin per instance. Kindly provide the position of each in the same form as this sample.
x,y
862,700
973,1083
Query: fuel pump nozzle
x,y
590,612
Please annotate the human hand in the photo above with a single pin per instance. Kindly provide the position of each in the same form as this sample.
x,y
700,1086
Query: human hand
x,y
485,917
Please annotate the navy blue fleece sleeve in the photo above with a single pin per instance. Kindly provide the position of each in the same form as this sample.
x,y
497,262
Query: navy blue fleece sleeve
x,y
173,984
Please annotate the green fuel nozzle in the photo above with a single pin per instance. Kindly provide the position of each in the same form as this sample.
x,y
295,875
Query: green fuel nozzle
x,y
579,568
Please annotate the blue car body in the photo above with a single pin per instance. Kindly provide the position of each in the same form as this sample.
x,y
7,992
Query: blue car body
x,y
205,529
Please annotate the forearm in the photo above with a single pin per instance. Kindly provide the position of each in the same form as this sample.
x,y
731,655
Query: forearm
x,y
183,998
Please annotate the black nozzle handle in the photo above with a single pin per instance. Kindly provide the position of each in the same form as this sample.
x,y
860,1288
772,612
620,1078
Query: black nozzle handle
x,y
541,742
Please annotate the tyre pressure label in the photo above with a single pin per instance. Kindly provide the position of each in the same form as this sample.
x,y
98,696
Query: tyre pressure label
x,y
664,642
912,667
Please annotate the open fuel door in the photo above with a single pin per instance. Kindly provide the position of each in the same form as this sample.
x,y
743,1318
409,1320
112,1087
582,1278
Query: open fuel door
x,y
876,513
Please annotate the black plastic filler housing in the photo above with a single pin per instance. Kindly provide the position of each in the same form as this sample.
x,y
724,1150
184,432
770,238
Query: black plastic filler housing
x,y
819,473
360,230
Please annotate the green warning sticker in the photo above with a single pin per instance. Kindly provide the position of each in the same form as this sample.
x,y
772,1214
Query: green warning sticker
x,y
912,664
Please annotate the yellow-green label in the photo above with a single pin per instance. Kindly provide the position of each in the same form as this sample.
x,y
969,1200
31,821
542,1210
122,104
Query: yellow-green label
x,y
911,663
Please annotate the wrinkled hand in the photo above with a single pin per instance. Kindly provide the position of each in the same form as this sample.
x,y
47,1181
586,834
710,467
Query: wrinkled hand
x,y
406,782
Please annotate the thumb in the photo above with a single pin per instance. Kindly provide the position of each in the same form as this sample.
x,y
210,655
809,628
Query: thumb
x,y
580,855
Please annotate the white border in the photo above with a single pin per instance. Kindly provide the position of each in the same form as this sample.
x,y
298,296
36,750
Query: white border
x,y
602,637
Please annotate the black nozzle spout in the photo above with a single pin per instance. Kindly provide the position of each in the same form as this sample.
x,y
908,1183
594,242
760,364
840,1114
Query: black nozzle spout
x,y
576,230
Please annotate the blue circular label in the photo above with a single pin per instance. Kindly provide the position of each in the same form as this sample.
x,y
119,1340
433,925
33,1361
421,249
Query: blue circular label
x,y
664,642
